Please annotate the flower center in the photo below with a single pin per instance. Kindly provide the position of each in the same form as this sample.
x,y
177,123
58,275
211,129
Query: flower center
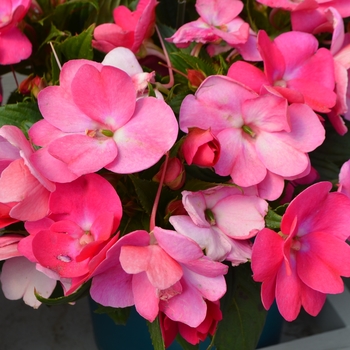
x,y
248,130
209,216
281,83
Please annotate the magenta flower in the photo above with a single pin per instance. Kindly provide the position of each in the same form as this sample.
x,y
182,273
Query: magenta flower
x,y
294,67
93,120
24,191
257,134
84,214
221,220
218,21
304,261
14,45
164,272
130,28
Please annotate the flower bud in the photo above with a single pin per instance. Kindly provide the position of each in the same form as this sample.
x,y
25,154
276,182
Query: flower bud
x,y
195,77
201,148
31,85
175,207
174,174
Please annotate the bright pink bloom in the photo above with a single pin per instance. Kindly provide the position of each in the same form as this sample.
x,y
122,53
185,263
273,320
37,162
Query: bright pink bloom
x,y
192,335
14,45
93,120
167,272
130,28
257,134
221,220
201,148
23,189
84,215
305,261
218,21
294,68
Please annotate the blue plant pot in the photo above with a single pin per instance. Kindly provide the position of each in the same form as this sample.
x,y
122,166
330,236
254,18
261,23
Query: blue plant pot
x,y
135,335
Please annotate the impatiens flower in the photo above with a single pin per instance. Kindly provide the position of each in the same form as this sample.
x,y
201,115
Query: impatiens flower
x,y
257,134
344,179
93,120
294,67
201,148
218,21
84,214
305,261
174,176
130,28
14,45
192,335
20,278
221,220
164,272
24,191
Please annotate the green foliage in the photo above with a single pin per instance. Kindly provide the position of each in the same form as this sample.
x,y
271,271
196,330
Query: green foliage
x,y
156,335
273,220
81,292
118,315
22,115
243,313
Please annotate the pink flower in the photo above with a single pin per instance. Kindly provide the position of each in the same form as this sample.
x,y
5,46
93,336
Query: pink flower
x,y
174,175
344,179
304,261
192,335
218,21
20,278
221,220
201,148
23,189
84,214
164,272
257,134
93,120
294,68
14,45
130,28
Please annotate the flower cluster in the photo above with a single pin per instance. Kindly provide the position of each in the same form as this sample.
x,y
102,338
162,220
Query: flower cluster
x,y
149,161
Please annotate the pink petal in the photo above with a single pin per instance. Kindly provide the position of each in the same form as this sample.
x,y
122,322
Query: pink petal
x,y
84,154
148,135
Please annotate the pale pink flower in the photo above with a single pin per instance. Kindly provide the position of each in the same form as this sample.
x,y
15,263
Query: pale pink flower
x,y
84,215
129,30
344,179
294,67
14,45
23,189
94,120
218,21
20,278
304,261
221,220
164,272
257,134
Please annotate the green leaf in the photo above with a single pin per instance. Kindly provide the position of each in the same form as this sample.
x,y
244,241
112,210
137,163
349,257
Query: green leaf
x,y
146,191
156,335
196,63
81,292
273,220
78,46
118,315
22,115
243,313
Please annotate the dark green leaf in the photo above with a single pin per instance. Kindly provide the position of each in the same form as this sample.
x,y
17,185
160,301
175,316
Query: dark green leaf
x,y
118,315
156,335
22,115
78,46
197,63
243,313
81,292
